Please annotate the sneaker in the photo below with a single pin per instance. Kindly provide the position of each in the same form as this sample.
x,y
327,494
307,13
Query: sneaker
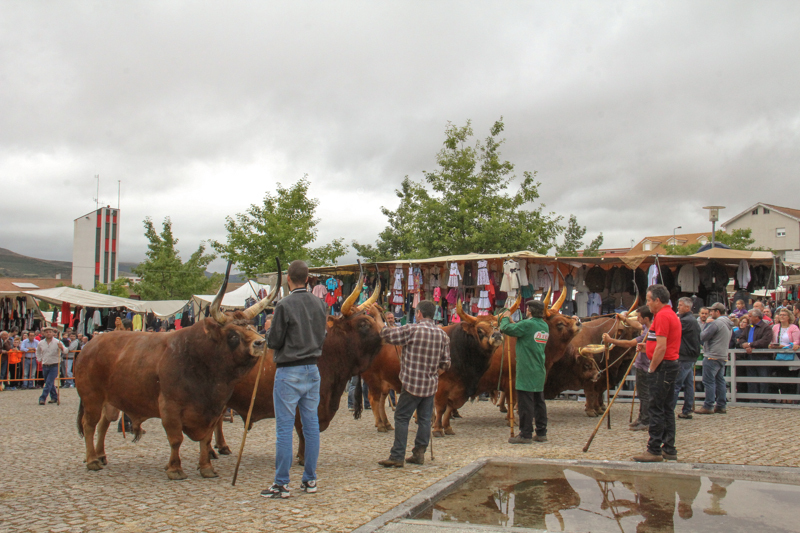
x,y
276,491
687,416
309,486
519,439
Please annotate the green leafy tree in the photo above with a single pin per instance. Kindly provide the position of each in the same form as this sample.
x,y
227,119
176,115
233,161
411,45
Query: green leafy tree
x,y
593,250
283,226
119,287
464,206
164,275
738,239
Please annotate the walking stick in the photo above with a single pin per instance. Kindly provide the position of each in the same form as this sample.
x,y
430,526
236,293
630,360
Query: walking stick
x,y
608,386
249,413
633,402
510,386
589,443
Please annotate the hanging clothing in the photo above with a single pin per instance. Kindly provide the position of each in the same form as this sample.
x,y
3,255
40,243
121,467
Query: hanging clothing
x,y
455,275
319,291
510,279
523,272
743,273
652,275
689,278
411,281
469,279
593,304
437,294
398,279
483,302
580,280
66,314
452,296
137,322
434,276
483,273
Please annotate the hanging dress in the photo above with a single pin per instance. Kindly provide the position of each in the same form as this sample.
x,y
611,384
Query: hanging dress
x,y
483,273
510,280
434,276
412,287
437,294
455,275
483,304
398,279
523,272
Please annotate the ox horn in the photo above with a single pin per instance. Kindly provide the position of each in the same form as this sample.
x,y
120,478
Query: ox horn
x,y
635,304
373,297
469,319
347,306
216,314
253,311
515,305
559,302
546,300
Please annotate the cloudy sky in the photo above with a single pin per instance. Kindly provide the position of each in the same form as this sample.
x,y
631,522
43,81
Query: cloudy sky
x,y
634,114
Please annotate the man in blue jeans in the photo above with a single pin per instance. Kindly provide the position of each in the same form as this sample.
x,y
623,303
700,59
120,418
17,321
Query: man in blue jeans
x,y
715,337
296,333
687,357
49,352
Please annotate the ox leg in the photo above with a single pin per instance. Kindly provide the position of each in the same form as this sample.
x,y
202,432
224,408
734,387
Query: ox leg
x,y
375,401
174,429
219,438
206,470
446,421
384,416
91,416
440,406
110,414
301,441
502,402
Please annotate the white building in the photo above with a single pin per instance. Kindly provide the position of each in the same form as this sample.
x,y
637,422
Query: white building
x,y
95,248
774,227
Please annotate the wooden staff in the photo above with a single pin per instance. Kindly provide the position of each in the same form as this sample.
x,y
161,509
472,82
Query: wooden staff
x,y
608,386
510,386
633,402
249,413
608,408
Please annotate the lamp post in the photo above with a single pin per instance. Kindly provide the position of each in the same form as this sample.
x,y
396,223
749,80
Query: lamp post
x,y
674,242
713,217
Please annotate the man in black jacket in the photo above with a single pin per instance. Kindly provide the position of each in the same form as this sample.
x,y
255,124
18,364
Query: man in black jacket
x,y
689,352
757,337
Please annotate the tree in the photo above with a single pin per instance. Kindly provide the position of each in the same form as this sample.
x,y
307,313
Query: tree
x,y
164,276
738,239
593,250
283,227
119,287
463,206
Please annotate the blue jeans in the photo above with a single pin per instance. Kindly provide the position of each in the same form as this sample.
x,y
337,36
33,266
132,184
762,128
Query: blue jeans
x,y
49,372
714,383
29,370
296,388
351,393
406,405
685,381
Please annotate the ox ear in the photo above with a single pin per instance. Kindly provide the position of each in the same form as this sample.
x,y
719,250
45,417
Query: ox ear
x,y
329,322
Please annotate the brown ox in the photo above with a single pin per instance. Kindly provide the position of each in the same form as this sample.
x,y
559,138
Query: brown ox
x,y
592,334
382,376
351,343
571,372
185,378
562,330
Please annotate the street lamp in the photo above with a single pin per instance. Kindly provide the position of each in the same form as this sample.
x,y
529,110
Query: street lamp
x,y
713,217
674,242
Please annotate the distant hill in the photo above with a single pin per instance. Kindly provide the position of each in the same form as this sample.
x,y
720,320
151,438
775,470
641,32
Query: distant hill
x,y
14,265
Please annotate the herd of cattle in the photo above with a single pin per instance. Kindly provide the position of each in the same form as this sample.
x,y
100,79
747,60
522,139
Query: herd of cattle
x,y
188,378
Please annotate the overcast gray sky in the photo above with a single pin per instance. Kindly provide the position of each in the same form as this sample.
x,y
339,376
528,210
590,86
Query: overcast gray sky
x,y
634,114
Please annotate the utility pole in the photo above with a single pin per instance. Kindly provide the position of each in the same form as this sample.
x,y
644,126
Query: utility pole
x,y
713,217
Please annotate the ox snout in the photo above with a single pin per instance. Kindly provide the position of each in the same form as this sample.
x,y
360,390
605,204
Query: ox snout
x,y
596,377
497,339
258,346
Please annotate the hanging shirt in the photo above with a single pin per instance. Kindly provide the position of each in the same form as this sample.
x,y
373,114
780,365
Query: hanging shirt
x,y
743,274
593,304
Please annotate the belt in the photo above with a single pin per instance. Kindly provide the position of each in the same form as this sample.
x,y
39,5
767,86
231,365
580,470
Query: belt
x,y
51,364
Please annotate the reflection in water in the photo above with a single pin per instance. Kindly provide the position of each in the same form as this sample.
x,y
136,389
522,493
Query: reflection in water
x,y
589,499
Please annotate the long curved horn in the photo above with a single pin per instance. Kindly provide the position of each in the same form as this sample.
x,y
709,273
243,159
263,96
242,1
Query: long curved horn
x,y
373,297
253,311
216,314
559,302
546,300
635,305
516,304
469,319
347,306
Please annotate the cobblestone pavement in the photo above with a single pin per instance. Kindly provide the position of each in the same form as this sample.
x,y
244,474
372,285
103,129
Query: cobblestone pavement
x,y
45,486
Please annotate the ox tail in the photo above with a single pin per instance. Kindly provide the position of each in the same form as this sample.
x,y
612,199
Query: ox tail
x,y
80,418
358,400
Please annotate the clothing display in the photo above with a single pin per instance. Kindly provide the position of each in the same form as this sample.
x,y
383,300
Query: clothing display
x,y
689,278
455,275
593,304
434,276
412,286
743,276
510,279
483,303
523,272
483,273
398,279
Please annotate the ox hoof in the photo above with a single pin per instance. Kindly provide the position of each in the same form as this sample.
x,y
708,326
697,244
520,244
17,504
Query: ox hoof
x,y
224,450
449,431
212,454
301,460
389,427
591,414
208,472
103,460
503,410
176,475
438,433
382,429
94,466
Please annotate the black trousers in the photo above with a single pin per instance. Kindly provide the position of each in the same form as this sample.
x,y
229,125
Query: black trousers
x,y
662,412
531,408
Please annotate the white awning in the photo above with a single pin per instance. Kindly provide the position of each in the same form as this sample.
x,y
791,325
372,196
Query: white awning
x,y
234,299
59,295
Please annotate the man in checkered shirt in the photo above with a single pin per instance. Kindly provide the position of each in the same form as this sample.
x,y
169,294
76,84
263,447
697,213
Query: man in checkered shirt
x,y
426,354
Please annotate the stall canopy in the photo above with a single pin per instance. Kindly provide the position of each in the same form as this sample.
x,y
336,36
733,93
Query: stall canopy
x,y
83,298
30,302
234,299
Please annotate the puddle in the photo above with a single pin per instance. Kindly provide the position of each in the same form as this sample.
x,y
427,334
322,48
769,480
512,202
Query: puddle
x,y
578,499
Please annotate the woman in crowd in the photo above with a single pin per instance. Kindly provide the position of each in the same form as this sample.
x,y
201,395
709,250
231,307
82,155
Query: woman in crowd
x,y
786,336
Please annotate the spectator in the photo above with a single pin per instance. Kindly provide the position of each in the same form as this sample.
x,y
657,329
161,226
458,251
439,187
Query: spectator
x,y
741,325
786,336
49,352
388,318
426,354
796,312
702,316
716,337
29,367
73,344
761,307
641,364
663,353
351,393
15,356
84,340
757,337
6,344
688,354
741,309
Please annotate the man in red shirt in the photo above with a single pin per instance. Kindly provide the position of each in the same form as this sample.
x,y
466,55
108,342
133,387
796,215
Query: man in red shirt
x,y
662,351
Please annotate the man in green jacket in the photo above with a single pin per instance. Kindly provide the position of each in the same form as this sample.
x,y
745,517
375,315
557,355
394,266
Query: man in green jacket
x,y
532,334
